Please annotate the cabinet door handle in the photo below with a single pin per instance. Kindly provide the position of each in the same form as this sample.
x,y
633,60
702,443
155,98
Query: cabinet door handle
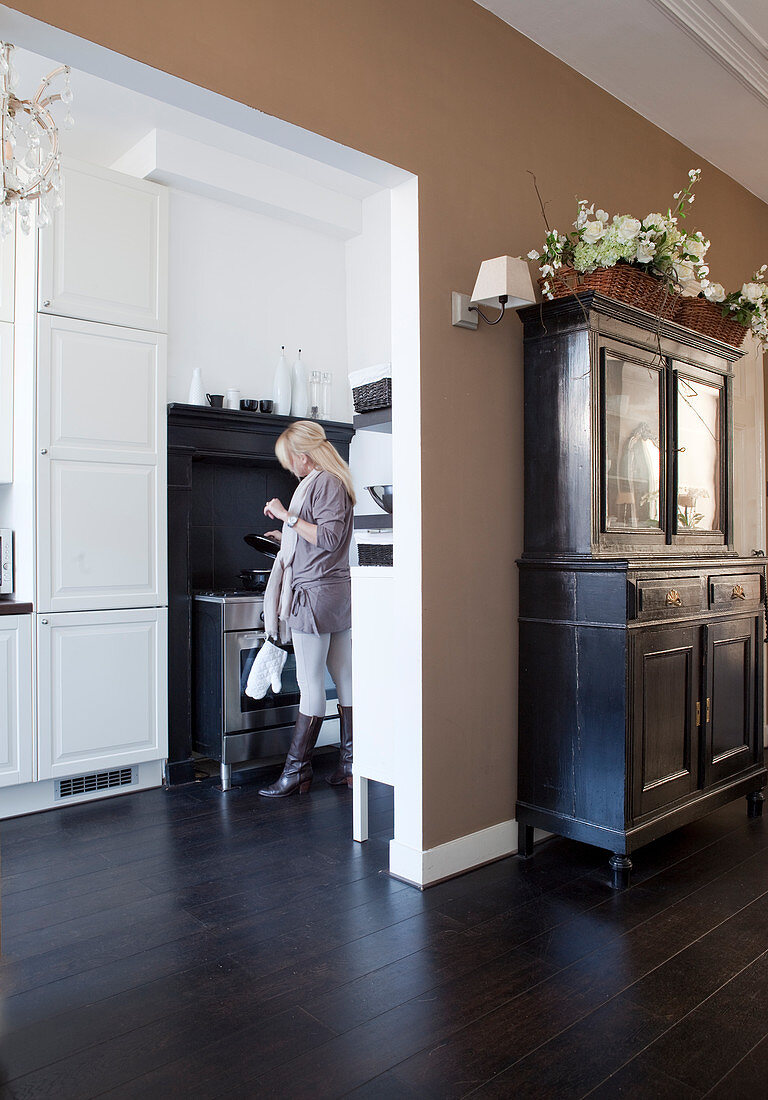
x,y
44,622
673,598
707,711
46,305
738,593
698,714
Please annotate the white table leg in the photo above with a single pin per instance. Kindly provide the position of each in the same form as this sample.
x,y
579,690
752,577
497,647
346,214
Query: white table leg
x,y
359,808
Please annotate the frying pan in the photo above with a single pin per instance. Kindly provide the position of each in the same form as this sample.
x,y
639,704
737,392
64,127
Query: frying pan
x,y
263,545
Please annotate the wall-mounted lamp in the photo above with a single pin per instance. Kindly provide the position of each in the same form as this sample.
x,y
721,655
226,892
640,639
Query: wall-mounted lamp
x,y
504,282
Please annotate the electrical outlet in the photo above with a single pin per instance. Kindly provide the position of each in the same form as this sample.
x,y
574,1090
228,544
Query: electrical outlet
x,y
460,315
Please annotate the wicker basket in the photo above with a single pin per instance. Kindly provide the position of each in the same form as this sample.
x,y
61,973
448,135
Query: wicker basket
x,y
372,396
622,281
706,317
374,553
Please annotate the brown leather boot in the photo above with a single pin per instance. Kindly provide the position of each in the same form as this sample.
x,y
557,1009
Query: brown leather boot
x,y
297,770
343,773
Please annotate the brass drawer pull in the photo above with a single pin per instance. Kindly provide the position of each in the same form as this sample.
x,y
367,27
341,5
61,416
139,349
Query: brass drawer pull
x,y
738,593
673,598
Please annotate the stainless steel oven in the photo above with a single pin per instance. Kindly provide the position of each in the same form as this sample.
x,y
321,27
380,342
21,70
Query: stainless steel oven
x,y
228,725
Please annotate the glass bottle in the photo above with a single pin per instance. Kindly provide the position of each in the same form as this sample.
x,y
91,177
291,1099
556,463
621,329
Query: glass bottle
x,y
315,394
299,389
282,386
326,402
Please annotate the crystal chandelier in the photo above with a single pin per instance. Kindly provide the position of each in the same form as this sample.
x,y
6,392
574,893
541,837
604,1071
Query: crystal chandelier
x,y
30,148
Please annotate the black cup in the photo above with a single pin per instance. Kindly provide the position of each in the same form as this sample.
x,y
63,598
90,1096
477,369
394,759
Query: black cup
x,y
249,404
215,400
266,406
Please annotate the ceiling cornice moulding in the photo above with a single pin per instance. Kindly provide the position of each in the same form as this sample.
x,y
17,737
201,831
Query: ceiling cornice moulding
x,y
726,36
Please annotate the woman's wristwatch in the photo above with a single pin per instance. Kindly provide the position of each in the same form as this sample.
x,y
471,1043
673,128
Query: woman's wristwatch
x,y
291,521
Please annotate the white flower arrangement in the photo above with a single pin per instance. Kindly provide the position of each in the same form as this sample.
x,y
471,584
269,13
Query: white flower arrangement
x,y
655,244
748,306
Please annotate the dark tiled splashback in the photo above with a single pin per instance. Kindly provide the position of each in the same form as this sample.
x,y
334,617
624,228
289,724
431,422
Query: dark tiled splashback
x,y
228,503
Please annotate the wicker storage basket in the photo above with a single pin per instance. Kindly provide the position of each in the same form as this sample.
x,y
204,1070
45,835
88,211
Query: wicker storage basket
x,y
706,317
622,281
374,553
372,396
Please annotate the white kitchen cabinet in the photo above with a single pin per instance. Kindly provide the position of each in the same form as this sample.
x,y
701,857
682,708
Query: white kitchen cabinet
x,y
106,256
101,467
102,690
378,714
6,402
16,734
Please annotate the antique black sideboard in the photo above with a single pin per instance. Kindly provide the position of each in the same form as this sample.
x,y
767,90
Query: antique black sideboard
x,y
641,630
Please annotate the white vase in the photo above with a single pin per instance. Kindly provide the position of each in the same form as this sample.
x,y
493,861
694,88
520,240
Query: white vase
x,y
281,393
299,389
196,388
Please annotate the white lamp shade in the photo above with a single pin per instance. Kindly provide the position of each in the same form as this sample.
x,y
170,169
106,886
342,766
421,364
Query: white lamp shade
x,y
504,275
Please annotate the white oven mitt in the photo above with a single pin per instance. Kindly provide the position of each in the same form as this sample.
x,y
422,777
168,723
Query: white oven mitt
x,y
266,670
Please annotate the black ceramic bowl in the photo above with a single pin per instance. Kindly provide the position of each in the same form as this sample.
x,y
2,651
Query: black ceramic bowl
x,y
382,494
249,404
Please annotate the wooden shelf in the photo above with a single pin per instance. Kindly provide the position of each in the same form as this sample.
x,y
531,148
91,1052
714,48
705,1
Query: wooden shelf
x,y
380,420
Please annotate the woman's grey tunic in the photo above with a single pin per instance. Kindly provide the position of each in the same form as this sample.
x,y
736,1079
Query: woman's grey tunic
x,y
321,584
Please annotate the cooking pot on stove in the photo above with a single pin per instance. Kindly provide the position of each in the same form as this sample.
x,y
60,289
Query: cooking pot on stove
x,y
254,580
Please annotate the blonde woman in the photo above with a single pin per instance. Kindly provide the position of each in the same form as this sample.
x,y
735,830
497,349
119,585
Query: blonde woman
x,y
308,595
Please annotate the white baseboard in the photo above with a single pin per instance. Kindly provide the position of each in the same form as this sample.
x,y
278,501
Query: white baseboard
x,y
454,858
31,798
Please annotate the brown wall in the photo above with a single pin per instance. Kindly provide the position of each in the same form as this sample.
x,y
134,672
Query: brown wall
x,y
444,89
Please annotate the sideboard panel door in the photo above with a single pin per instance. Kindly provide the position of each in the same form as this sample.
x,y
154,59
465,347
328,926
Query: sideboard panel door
x,y
730,697
666,680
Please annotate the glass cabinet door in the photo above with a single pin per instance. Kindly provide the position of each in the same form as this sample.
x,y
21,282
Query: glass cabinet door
x,y
633,446
699,458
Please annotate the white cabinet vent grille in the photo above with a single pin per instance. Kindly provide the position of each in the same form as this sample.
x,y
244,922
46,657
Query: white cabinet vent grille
x,y
96,781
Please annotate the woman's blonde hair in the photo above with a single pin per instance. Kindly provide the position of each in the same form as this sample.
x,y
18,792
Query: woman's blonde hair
x,y
307,437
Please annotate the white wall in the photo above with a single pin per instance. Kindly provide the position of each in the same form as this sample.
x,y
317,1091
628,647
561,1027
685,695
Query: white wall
x,y
241,285
369,334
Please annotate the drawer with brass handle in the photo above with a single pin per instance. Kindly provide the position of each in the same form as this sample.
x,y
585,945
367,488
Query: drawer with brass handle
x,y
670,597
734,591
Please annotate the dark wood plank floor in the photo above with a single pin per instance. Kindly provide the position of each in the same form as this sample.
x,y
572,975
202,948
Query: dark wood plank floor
x,y
190,944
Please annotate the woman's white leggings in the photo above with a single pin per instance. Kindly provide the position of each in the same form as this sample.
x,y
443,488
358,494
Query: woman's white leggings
x,y
315,652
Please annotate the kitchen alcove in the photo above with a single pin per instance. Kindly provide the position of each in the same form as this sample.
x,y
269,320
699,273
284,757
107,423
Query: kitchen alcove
x,y
279,237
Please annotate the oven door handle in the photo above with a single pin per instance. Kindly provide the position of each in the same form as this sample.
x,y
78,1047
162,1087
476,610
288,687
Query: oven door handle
x,y
247,637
